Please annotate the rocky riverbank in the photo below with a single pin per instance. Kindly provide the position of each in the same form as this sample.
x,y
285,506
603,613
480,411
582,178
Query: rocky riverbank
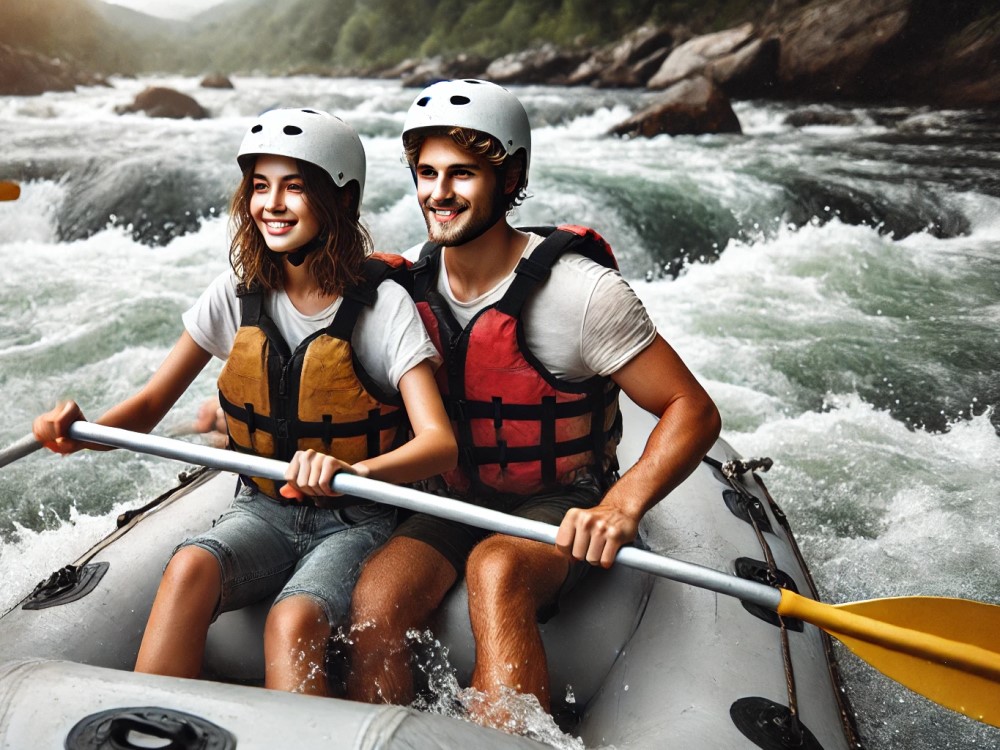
x,y
916,52
863,50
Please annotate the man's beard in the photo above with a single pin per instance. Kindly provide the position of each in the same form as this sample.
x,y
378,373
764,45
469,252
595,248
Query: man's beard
x,y
468,225
465,227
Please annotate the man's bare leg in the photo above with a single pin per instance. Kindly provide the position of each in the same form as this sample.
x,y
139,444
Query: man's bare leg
x,y
399,589
508,580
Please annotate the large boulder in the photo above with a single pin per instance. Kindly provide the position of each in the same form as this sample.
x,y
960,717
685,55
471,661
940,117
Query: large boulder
x,y
832,50
216,81
922,51
694,55
435,69
748,71
694,106
964,71
24,73
545,64
627,63
159,101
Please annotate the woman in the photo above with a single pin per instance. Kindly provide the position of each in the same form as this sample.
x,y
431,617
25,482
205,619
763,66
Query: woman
x,y
328,367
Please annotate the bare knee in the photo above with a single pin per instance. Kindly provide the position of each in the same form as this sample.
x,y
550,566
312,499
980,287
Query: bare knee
x,y
192,569
399,588
377,604
494,567
506,573
297,620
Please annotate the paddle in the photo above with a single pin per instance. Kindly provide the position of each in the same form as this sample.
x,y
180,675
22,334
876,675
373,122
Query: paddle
x,y
23,447
942,648
9,191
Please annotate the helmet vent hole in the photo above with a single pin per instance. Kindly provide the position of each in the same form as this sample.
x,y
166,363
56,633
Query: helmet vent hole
x,y
340,175
256,128
424,102
310,112
291,130
457,100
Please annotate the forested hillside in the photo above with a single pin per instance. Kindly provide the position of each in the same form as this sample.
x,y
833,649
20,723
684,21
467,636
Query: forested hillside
x,y
359,36
250,35
363,33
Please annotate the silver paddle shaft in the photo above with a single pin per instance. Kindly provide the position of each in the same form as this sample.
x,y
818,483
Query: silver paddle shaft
x,y
410,499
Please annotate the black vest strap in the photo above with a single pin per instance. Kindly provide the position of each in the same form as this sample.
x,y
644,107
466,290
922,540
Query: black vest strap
x,y
533,271
530,274
325,430
252,314
357,298
284,370
425,274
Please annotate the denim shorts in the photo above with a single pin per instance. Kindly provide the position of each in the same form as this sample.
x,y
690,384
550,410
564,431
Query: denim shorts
x,y
266,548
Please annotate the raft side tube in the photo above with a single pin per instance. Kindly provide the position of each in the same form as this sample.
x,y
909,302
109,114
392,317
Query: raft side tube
x,y
42,701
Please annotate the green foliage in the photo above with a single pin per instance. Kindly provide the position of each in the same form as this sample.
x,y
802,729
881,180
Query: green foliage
x,y
327,35
44,26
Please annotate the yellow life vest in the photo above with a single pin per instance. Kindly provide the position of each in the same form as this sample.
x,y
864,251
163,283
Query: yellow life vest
x,y
277,401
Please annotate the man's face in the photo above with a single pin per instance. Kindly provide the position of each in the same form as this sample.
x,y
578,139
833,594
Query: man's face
x,y
457,192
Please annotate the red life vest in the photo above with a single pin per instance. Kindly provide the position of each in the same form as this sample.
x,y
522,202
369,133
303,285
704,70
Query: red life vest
x,y
520,429
277,401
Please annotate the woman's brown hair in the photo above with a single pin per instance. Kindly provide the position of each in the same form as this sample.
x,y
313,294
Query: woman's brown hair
x,y
336,264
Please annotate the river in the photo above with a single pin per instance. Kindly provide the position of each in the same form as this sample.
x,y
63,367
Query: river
x,y
835,287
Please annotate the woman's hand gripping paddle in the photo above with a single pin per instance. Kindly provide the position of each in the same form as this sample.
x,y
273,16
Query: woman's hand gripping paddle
x,y
943,648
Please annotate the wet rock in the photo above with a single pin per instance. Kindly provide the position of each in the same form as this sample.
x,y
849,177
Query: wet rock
x,y
545,64
694,55
216,81
24,73
436,69
808,117
159,101
628,62
694,106
831,50
964,71
749,71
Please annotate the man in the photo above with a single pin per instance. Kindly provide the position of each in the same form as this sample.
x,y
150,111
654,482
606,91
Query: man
x,y
537,337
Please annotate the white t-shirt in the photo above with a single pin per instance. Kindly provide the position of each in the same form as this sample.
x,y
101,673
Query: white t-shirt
x,y
389,338
584,321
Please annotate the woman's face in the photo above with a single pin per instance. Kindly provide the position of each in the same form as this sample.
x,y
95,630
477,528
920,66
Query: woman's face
x,y
279,204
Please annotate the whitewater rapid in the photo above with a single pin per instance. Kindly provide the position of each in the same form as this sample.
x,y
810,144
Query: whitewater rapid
x,y
834,287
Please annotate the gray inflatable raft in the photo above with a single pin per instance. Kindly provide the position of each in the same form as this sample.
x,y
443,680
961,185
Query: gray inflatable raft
x,y
636,661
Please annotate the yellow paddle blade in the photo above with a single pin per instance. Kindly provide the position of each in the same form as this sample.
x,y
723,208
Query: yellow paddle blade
x,y
945,649
9,191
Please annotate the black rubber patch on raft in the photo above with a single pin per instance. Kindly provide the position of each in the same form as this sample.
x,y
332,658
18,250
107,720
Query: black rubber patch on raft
x,y
66,585
770,725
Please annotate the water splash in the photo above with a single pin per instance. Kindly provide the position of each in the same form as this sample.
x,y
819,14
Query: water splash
x,y
513,712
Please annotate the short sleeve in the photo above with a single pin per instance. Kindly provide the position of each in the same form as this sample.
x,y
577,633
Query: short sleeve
x,y
213,320
390,339
616,326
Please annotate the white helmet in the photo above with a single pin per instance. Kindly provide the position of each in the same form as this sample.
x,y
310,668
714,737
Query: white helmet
x,y
478,105
309,135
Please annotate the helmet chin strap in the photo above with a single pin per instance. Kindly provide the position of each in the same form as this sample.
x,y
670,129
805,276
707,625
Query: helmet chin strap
x,y
298,256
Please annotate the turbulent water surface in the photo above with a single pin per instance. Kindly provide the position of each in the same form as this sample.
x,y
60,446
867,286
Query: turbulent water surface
x,y
836,288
